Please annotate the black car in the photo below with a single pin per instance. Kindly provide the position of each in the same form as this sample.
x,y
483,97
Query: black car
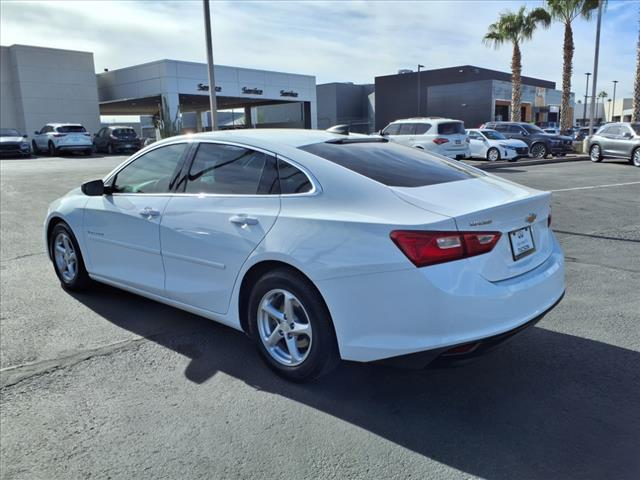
x,y
540,143
12,143
116,139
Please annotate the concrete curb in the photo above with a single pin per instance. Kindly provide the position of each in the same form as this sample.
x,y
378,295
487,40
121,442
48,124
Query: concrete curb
x,y
527,163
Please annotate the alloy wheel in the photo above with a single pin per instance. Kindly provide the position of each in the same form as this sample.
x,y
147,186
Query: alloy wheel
x,y
493,155
636,157
539,151
65,257
284,327
595,153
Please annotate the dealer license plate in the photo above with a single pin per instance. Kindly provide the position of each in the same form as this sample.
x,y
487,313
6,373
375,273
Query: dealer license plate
x,y
521,243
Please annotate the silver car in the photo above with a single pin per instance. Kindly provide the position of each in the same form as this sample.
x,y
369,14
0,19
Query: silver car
x,y
621,140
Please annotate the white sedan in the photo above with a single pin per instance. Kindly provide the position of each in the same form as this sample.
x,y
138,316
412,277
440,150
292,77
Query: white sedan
x,y
319,246
493,146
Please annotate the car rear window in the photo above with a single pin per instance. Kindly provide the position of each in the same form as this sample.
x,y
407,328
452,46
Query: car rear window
x,y
450,128
71,129
391,164
124,132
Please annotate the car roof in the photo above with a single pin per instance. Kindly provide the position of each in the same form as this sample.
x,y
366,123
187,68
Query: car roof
x,y
64,125
114,127
425,120
266,137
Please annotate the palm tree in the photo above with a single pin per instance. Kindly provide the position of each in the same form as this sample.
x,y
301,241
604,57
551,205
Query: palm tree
x,y
601,96
635,112
514,28
566,11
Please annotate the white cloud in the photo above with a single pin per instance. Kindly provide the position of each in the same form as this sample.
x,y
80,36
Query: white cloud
x,y
336,41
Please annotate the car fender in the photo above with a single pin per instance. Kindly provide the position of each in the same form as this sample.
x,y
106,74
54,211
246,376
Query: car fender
x,y
69,209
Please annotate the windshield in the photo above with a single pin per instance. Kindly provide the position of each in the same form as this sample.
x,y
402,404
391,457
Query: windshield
x,y
532,129
493,135
391,164
71,129
9,132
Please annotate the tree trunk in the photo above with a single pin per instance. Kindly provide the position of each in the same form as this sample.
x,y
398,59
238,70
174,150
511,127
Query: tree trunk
x,y
516,83
635,112
565,114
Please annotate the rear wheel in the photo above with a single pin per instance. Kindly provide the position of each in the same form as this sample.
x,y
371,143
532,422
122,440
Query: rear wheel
x,y
635,157
292,326
539,150
595,154
493,154
67,259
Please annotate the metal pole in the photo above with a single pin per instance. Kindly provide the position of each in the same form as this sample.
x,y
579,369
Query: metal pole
x,y
586,95
595,69
212,81
613,104
419,91
609,109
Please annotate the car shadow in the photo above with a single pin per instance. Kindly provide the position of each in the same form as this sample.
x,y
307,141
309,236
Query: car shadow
x,y
546,405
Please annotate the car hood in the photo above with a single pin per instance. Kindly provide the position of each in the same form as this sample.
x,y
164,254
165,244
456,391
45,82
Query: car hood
x,y
12,139
552,136
511,142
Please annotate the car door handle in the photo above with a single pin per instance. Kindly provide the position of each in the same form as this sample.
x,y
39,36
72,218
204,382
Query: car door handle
x,y
243,220
149,212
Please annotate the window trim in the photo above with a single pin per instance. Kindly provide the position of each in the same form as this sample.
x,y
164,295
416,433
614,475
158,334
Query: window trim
x,y
189,157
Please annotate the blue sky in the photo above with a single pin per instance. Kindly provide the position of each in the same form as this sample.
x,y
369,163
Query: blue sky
x,y
335,41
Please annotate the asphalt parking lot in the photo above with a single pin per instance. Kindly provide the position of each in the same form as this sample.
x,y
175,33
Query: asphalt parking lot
x,y
105,384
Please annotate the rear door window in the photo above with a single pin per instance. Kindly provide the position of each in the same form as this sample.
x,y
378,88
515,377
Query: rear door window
x,y
422,128
406,129
391,164
450,128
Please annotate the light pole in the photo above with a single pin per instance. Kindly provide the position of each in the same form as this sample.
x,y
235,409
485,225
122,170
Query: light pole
x,y
613,105
212,80
419,91
586,95
595,69
609,109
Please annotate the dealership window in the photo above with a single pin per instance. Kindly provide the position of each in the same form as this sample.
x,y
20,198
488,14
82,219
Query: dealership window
x,y
231,170
153,172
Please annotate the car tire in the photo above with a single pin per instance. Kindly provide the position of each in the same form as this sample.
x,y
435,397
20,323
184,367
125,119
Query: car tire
x,y
53,151
285,294
595,153
34,147
88,152
493,154
539,150
67,259
635,157
110,149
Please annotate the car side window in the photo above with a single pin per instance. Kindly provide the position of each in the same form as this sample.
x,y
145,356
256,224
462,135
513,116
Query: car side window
x,y
392,129
153,172
474,135
406,129
231,170
292,179
422,128
501,128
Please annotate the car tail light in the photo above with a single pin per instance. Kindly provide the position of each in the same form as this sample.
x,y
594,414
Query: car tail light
x,y
429,248
87,134
59,134
440,140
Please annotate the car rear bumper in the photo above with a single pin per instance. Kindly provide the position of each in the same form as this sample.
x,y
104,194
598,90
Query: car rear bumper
x,y
564,148
74,147
434,308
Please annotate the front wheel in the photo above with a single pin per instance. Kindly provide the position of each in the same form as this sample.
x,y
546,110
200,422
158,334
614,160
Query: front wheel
x,y
110,149
292,326
539,150
34,147
493,154
67,259
595,154
52,149
635,157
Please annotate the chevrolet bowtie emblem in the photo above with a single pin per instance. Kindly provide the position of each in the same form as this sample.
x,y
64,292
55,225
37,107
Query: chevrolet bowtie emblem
x,y
532,218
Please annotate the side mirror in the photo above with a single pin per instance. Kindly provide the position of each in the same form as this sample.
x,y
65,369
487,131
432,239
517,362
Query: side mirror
x,y
24,136
383,133
94,188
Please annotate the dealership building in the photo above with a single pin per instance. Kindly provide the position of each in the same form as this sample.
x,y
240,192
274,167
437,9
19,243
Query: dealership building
x,y
472,94
45,85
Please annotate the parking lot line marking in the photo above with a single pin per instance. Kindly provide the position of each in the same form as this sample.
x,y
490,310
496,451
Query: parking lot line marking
x,y
596,186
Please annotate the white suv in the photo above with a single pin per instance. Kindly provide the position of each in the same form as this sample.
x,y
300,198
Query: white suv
x,y
54,138
438,135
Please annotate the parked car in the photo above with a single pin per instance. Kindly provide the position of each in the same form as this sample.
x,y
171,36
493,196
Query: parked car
x,y
13,144
116,139
540,143
616,140
493,146
433,134
318,245
56,138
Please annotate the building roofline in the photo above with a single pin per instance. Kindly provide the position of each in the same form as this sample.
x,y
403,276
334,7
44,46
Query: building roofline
x,y
46,48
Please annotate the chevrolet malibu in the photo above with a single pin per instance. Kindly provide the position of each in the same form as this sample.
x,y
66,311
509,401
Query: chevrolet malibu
x,y
319,246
